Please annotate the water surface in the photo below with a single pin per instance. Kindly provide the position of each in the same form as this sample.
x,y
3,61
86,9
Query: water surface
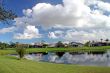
x,y
68,58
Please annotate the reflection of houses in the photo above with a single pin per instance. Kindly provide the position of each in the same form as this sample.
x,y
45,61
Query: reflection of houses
x,y
76,44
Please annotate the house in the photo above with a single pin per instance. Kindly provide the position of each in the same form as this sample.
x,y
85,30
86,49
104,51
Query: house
x,y
52,45
66,43
99,44
76,44
38,45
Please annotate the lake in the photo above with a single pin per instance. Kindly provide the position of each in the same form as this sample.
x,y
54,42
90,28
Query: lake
x,y
72,58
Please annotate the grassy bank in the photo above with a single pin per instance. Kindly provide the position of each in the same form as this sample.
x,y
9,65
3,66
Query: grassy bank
x,y
75,49
12,65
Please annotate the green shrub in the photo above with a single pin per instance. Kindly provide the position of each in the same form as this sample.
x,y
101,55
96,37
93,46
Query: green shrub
x,y
20,49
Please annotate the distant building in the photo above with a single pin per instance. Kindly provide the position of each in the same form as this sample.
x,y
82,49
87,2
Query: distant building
x,y
52,45
99,44
66,44
76,44
38,45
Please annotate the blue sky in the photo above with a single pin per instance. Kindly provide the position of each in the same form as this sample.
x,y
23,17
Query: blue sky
x,y
56,20
17,7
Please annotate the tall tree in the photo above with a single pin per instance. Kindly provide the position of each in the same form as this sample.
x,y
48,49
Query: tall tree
x,y
101,40
59,44
87,44
3,45
20,49
107,40
6,15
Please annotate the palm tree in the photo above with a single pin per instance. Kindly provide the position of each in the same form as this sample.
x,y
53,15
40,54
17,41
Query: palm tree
x,y
101,40
107,40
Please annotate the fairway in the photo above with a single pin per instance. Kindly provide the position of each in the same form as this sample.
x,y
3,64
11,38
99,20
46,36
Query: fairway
x,y
13,65
10,64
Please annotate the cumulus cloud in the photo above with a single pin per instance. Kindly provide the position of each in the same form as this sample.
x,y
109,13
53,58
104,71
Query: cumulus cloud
x,y
103,6
30,32
6,30
74,13
52,35
86,16
56,34
80,36
27,12
48,15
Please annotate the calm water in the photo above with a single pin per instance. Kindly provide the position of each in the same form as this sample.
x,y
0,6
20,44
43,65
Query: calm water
x,y
79,59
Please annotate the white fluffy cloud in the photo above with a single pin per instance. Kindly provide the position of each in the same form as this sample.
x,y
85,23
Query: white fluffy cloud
x,y
6,30
82,36
56,34
74,13
29,33
82,15
48,15
52,35
103,6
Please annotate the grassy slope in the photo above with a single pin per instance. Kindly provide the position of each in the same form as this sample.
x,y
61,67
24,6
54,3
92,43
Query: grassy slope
x,y
79,49
12,65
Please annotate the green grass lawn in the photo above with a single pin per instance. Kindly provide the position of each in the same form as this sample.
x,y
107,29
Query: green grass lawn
x,y
13,65
10,64
75,49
